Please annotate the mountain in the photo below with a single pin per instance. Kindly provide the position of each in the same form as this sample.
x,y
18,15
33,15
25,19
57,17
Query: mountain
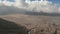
x,y
5,10
42,13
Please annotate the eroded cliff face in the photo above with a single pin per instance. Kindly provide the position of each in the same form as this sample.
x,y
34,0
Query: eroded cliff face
x,y
36,24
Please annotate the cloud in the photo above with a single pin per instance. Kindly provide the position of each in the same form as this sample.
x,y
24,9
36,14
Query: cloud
x,y
44,6
22,6
59,9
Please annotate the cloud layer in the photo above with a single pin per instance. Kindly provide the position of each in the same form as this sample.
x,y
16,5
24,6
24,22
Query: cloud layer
x,y
27,5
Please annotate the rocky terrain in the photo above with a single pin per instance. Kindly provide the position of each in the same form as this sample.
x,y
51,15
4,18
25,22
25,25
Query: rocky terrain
x,y
36,24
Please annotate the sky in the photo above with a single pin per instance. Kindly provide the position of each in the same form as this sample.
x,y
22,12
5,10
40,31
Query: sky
x,y
55,1
40,6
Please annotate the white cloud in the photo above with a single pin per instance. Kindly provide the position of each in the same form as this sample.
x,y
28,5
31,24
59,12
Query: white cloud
x,y
59,9
44,6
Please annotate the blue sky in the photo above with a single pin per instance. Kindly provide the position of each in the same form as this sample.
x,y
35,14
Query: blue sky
x,y
54,1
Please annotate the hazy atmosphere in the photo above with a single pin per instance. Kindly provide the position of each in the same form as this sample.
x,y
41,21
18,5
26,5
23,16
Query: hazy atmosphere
x,y
15,6
29,16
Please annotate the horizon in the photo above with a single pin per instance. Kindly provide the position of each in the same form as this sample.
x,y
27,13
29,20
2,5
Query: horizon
x,y
34,6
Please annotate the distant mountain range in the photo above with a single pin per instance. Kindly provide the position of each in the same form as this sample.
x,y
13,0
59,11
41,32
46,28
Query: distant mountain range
x,y
42,13
5,10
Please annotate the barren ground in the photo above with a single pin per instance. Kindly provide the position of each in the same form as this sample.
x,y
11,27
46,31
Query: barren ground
x,y
40,22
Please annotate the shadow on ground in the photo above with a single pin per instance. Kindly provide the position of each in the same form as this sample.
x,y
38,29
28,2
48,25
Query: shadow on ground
x,y
8,27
